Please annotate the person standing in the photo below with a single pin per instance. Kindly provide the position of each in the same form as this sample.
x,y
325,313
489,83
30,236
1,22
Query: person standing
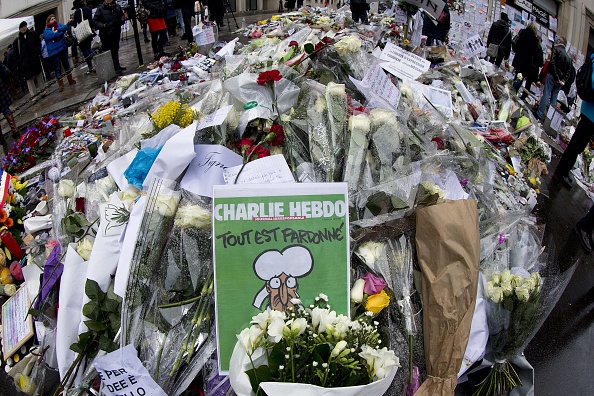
x,y
531,75
526,52
500,34
57,49
580,139
109,19
171,20
5,102
81,11
217,9
559,72
156,24
437,30
187,10
359,10
584,229
27,52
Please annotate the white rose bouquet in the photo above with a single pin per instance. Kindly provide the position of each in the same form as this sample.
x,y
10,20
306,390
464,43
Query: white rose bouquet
x,y
312,346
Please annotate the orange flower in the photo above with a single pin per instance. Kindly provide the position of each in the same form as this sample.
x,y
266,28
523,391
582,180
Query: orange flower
x,y
9,222
3,216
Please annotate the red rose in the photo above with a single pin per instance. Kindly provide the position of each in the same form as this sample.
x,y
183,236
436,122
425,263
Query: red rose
x,y
269,76
293,44
279,134
259,152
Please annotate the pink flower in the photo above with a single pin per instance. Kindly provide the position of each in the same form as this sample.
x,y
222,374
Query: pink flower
x,y
373,284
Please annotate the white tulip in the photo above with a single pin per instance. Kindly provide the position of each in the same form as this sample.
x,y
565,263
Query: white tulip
x,y
357,290
84,248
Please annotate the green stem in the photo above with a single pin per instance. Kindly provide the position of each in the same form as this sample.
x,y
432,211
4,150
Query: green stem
x,y
410,359
179,304
292,363
246,161
255,372
159,354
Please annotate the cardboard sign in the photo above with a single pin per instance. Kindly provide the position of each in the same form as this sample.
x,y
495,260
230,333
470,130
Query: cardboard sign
x,y
403,64
272,243
205,36
473,46
433,7
17,325
122,374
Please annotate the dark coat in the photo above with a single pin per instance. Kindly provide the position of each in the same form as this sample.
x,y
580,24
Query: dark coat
x,y
567,87
439,31
560,66
27,52
500,34
109,20
78,18
526,50
5,99
156,8
537,63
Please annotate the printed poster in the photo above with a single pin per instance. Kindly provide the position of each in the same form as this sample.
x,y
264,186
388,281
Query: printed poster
x,y
273,243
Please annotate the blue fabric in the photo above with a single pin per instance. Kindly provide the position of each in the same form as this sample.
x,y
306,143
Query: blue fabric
x,y
61,59
588,107
140,166
54,40
551,90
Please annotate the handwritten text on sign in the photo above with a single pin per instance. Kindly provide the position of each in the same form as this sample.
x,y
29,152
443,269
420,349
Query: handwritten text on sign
x,y
403,64
122,374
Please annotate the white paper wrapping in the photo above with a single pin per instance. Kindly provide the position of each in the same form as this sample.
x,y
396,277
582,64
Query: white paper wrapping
x,y
241,383
479,330
72,290
37,223
174,157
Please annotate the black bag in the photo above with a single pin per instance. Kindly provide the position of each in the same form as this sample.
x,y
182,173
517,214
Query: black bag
x,y
69,40
583,81
286,5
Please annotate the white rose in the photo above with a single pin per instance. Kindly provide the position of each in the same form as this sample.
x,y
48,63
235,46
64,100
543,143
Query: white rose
x,y
496,279
360,122
129,195
496,295
335,89
517,281
537,280
370,251
357,290
381,117
523,293
166,204
66,188
84,248
106,184
347,44
320,104
507,288
9,290
506,276
193,216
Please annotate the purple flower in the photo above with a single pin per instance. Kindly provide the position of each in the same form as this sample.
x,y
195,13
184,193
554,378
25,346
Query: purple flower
x,y
27,149
14,161
373,284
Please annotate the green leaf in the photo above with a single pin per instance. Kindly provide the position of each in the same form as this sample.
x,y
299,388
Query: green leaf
x,y
114,321
76,348
110,305
34,312
288,55
260,374
309,48
83,338
91,311
93,291
95,326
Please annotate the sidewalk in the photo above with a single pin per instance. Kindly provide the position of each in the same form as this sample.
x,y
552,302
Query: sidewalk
x,y
27,112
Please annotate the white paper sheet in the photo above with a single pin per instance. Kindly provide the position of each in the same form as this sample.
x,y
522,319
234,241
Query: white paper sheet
x,y
216,118
378,89
174,157
272,169
122,373
31,274
72,290
206,169
403,64
117,167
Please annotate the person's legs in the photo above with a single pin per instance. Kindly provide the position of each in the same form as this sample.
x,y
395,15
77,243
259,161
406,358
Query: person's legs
x,y
162,40
85,48
583,133
31,87
555,94
155,44
187,11
11,122
546,96
584,229
498,60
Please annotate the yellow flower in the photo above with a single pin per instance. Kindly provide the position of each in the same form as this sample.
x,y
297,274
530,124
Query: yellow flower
x,y
275,17
406,42
376,302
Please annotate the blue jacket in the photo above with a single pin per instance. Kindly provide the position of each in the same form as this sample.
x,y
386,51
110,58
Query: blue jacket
x,y
588,107
53,40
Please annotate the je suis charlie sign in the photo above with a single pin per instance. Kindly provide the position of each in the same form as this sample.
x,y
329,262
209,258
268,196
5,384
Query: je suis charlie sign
x,y
273,243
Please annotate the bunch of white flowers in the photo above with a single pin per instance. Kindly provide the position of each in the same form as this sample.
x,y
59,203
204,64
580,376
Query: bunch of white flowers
x,y
504,284
379,361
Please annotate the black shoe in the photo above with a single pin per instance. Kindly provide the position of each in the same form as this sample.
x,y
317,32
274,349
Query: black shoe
x,y
585,238
146,40
564,180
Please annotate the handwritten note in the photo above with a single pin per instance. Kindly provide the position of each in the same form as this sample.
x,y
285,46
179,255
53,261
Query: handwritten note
x,y
17,326
205,36
206,169
216,118
272,169
378,89
399,14
403,64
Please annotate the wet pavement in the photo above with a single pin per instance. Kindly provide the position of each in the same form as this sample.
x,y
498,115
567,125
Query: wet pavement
x,y
562,352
